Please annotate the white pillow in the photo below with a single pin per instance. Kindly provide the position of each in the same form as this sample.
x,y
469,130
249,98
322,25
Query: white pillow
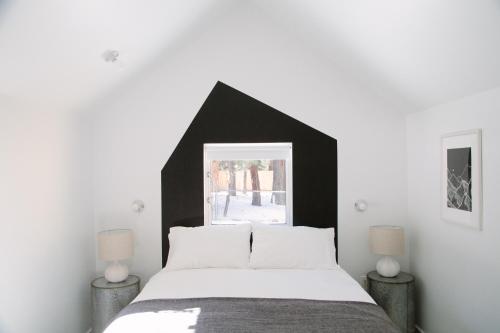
x,y
226,246
293,247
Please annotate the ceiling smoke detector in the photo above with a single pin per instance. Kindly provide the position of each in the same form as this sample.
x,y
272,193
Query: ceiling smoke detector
x,y
110,55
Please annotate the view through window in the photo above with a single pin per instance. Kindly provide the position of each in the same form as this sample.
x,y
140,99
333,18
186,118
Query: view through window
x,y
240,187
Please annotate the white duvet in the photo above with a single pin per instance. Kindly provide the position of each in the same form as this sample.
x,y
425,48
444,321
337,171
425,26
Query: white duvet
x,y
331,285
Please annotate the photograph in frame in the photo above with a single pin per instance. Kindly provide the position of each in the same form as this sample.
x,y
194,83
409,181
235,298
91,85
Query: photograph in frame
x,y
461,178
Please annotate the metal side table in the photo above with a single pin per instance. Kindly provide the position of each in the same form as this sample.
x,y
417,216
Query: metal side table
x,y
109,298
396,296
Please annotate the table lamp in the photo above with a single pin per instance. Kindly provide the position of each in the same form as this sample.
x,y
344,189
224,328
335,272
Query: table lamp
x,y
387,240
116,245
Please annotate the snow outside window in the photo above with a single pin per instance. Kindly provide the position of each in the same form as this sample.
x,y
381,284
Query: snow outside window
x,y
248,182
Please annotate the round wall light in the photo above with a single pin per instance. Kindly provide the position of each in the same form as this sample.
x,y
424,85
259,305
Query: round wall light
x,y
361,205
138,206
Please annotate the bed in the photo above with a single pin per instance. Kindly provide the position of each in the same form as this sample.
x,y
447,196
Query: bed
x,y
247,300
258,293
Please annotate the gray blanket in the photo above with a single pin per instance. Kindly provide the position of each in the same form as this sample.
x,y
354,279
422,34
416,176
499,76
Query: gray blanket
x,y
269,315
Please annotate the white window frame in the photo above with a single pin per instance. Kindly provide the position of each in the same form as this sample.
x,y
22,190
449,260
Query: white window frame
x,y
248,151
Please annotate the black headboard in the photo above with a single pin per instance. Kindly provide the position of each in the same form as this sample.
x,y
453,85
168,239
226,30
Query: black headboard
x,y
229,116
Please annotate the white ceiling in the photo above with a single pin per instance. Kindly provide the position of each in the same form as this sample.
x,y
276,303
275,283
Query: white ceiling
x,y
418,52
50,51
415,53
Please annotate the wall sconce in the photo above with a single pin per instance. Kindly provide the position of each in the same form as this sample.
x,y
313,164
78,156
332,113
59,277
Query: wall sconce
x,y
361,205
137,206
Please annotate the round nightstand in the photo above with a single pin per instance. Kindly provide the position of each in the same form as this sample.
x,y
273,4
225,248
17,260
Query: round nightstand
x,y
396,296
109,298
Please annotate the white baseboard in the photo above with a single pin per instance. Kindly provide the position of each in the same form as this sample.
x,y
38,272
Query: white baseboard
x,y
419,330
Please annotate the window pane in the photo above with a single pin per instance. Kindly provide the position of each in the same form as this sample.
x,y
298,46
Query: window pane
x,y
248,190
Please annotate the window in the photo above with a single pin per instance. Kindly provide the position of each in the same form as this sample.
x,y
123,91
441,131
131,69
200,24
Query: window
x,y
248,182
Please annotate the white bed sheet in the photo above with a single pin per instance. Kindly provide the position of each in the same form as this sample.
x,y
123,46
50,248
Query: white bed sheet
x,y
331,285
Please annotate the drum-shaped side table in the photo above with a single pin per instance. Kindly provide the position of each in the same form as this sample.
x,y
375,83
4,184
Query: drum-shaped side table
x,y
396,296
109,298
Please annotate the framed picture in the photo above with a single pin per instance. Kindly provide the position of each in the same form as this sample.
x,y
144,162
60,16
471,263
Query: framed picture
x,y
461,179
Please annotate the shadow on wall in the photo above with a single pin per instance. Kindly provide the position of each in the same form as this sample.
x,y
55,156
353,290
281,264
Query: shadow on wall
x,y
4,7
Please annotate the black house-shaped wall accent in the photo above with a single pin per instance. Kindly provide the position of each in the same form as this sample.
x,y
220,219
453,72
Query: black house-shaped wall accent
x,y
230,116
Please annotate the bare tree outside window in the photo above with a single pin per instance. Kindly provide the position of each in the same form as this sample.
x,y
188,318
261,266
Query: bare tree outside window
x,y
248,182
248,190
254,174
279,182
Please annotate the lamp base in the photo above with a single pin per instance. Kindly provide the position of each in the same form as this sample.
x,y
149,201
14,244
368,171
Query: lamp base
x,y
116,272
388,267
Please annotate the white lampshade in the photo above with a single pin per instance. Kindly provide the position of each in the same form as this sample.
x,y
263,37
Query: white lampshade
x,y
387,240
117,244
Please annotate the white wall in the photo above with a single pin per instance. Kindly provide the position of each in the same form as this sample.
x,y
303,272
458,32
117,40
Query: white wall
x,y
46,237
138,126
457,269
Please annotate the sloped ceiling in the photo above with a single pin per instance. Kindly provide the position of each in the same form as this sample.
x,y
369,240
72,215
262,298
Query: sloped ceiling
x,y
414,53
419,52
50,51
